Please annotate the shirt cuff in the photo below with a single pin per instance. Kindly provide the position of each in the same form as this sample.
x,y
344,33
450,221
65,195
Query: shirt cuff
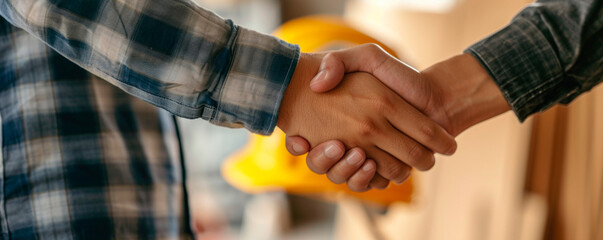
x,y
525,67
250,95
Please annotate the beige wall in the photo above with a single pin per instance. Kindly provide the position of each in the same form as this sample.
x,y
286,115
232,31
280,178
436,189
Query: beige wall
x,y
429,37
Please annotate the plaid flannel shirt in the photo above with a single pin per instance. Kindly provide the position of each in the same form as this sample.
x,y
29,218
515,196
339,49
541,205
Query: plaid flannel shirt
x,y
84,155
83,159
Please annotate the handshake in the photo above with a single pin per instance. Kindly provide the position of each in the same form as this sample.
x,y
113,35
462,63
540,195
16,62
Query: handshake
x,y
367,118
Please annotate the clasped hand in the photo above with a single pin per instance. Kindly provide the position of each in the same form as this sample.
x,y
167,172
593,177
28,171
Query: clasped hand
x,y
365,117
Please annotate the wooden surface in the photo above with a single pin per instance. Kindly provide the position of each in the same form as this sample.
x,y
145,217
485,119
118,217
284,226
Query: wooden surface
x,y
566,166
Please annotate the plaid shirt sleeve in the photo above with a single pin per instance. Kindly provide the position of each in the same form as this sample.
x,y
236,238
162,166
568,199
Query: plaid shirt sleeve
x,y
170,53
550,53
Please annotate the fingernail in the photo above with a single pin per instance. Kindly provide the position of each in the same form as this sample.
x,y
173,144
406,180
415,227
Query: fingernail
x,y
297,148
367,167
321,76
354,158
332,151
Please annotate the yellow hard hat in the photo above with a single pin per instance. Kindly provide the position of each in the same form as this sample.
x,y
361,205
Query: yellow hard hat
x,y
266,165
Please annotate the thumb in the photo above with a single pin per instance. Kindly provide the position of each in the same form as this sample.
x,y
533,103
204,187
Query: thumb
x,y
329,75
371,58
297,145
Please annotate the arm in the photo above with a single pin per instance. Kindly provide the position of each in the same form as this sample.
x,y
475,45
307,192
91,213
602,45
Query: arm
x,y
192,63
550,53
170,53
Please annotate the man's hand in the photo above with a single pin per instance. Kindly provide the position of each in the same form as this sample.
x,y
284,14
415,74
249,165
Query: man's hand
x,y
456,93
364,114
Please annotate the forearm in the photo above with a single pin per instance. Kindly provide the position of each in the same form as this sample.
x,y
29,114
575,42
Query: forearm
x,y
548,54
466,91
306,69
172,54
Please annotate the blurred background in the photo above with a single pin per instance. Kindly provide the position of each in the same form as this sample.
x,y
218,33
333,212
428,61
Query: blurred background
x,y
541,179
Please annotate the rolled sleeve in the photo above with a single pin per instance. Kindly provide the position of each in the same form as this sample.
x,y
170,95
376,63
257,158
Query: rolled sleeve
x,y
172,54
251,94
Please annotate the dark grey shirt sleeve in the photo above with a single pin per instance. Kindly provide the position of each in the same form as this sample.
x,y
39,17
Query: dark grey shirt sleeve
x,y
550,53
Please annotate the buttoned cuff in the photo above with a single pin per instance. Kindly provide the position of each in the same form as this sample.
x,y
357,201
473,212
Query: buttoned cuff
x,y
260,71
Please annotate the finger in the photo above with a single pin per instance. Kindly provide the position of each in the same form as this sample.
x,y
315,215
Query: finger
x,y
378,62
324,156
371,58
379,182
416,125
349,164
402,148
389,167
330,74
363,58
297,145
359,181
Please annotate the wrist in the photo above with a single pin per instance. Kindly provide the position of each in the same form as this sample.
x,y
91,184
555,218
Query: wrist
x,y
307,67
467,92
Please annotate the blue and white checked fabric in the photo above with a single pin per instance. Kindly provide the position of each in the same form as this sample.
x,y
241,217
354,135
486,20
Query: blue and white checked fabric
x,y
84,154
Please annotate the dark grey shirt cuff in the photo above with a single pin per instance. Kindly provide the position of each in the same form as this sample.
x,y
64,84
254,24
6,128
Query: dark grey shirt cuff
x,y
525,67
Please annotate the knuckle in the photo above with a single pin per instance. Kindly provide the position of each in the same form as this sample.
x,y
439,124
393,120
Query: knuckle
x,y
417,154
380,100
375,55
367,128
374,48
429,131
381,103
331,56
